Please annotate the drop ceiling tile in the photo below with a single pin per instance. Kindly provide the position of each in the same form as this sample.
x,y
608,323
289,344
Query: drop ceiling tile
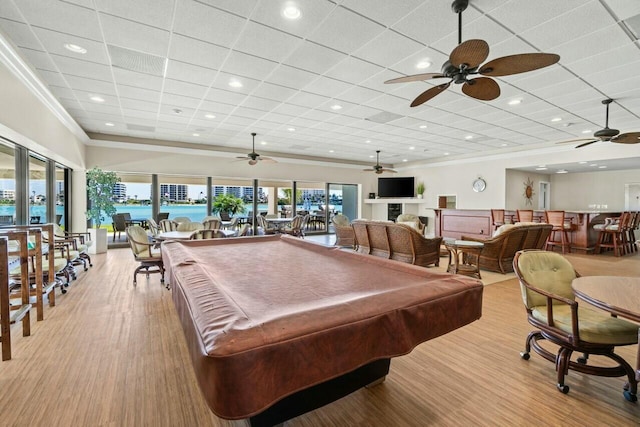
x,y
225,96
39,59
20,34
430,22
132,92
63,17
242,64
76,67
131,35
346,31
313,57
10,12
328,87
353,70
388,48
137,104
531,14
180,101
132,78
359,95
197,52
274,92
599,41
313,13
478,27
265,42
291,77
207,23
54,42
186,72
156,13
178,87
262,104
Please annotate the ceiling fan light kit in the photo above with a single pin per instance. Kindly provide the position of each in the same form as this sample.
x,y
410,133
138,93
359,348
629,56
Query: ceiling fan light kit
x,y
378,168
465,62
253,157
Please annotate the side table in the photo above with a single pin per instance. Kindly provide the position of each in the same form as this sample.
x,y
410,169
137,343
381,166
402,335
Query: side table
x,y
464,257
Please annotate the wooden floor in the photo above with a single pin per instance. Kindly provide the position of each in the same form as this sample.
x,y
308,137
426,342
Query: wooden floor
x,y
110,354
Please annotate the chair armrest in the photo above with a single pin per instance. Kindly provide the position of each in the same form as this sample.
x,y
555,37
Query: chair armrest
x,y
473,239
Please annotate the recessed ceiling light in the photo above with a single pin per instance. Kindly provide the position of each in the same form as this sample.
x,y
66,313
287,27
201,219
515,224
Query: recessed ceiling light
x,y
177,111
412,148
586,131
542,168
556,119
291,12
109,124
291,129
96,98
371,156
195,134
602,167
210,116
423,126
446,154
593,164
75,48
263,142
331,151
504,145
235,83
336,107
583,163
405,160
368,141
515,101
423,64
562,171
468,137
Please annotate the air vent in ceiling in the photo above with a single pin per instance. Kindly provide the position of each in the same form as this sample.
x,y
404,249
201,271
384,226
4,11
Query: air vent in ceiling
x,y
136,61
141,128
384,117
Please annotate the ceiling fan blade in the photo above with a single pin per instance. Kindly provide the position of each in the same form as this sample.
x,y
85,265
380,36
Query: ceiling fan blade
x,y
389,170
574,140
429,93
482,88
515,64
472,53
627,138
267,159
416,78
587,143
243,157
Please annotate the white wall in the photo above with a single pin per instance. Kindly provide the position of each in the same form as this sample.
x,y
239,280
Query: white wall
x,y
578,191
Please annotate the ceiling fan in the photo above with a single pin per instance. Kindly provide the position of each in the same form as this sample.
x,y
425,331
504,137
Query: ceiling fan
x,y
607,134
254,157
464,62
378,168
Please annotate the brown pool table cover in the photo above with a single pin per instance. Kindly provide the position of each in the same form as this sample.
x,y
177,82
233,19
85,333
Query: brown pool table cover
x,y
267,316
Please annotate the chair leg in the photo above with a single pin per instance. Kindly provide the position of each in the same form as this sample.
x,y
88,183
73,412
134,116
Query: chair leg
x,y
562,367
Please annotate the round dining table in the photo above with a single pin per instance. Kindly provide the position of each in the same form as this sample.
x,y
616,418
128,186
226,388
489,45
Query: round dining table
x,y
186,235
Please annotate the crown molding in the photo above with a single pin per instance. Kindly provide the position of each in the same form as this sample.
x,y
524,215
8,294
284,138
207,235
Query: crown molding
x,y
23,72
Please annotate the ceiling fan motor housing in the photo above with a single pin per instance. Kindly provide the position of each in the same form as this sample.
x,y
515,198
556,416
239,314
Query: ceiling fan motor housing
x,y
606,133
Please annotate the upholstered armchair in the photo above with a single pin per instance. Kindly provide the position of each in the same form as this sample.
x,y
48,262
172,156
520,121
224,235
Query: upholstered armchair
x,y
545,281
344,231
411,220
147,254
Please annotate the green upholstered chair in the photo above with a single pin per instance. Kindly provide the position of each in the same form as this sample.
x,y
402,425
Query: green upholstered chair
x,y
545,282
147,254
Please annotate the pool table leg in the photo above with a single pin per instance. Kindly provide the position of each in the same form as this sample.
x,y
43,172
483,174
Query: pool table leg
x,y
321,394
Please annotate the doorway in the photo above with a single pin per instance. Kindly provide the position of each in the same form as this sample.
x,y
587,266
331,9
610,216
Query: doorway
x,y
544,195
632,196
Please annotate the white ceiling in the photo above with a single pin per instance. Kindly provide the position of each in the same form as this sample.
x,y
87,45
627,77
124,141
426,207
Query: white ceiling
x,y
338,53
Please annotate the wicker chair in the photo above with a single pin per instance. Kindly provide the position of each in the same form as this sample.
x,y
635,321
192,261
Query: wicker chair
x,y
168,225
147,254
497,218
189,226
411,220
498,252
266,228
344,232
119,225
545,281
211,224
298,224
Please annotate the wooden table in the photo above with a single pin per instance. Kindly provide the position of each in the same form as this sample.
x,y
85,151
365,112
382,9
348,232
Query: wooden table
x,y
464,257
615,294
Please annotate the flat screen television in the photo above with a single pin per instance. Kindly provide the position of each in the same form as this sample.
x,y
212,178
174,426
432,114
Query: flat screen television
x,y
396,187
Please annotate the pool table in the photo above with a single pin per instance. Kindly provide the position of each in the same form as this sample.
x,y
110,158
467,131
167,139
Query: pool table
x,y
277,326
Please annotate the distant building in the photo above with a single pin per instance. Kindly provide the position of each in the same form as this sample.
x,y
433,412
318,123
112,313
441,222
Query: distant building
x,y
175,192
8,194
120,192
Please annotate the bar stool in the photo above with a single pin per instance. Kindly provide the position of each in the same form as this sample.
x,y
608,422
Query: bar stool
x,y
524,215
556,218
612,235
497,218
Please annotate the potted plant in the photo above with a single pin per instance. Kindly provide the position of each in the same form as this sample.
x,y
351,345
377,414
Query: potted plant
x,y
420,189
227,203
100,194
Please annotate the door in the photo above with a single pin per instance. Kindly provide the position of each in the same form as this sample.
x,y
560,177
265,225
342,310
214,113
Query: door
x,y
544,196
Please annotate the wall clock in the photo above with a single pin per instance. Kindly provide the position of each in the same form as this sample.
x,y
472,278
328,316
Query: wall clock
x,y
479,185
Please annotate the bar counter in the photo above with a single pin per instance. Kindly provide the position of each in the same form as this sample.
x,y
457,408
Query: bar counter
x,y
454,223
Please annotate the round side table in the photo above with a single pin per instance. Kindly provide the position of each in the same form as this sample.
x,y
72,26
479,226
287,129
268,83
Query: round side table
x,y
464,257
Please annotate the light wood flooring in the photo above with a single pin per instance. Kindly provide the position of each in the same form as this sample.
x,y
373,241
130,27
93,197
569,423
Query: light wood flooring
x,y
110,354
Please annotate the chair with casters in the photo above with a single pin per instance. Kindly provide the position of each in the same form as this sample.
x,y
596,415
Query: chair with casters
x,y
147,254
545,281
189,226
298,223
168,225
344,231
212,224
524,215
